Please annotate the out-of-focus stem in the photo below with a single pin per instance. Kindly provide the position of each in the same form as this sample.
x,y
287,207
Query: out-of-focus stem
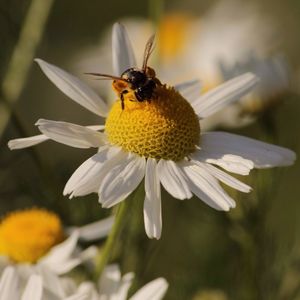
x,y
156,8
123,211
22,57
113,237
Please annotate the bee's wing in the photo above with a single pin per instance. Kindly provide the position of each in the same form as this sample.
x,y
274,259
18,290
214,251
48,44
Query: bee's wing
x,y
148,50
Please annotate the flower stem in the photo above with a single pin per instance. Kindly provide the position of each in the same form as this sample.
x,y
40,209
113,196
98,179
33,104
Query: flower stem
x,y
156,8
120,219
105,255
22,56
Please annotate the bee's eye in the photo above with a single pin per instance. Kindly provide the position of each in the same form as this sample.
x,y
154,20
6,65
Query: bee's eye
x,y
137,78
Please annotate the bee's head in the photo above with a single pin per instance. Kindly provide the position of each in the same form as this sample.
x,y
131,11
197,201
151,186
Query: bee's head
x,y
134,77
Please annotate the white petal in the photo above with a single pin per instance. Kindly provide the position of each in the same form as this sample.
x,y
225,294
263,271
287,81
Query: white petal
x,y
89,289
27,142
58,258
9,284
263,155
229,162
74,88
122,291
152,203
95,230
87,178
71,134
225,178
173,180
226,93
206,187
190,90
37,139
123,56
154,290
110,280
52,284
33,289
78,296
122,180
96,127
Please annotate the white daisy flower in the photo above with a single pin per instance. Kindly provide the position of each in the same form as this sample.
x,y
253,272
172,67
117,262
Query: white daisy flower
x,y
39,285
273,86
113,286
32,240
192,45
159,140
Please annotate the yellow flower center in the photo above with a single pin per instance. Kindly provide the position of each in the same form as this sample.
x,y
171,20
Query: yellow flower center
x,y
165,127
27,235
172,34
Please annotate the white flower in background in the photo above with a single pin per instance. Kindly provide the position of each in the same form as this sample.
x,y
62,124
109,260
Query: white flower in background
x,y
10,288
113,286
159,140
274,84
33,238
239,38
41,284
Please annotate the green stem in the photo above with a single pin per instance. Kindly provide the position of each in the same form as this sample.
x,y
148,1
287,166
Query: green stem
x,y
21,60
113,237
156,8
128,207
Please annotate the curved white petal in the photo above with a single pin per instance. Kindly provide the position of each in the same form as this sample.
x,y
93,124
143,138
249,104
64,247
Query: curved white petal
x,y
37,139
121,180
95,230
110,280
226,93
87,178
71,134
152,203
59,257
173,180
51,282
190,90
88,288
112,285
225,178
123,288
123,55
96,127
79,296
9,289
74,88
154,290
27,142
229,162
33,289
206,187
263,155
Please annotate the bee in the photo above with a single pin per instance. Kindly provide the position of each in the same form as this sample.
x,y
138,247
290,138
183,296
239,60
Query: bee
x,y
142,82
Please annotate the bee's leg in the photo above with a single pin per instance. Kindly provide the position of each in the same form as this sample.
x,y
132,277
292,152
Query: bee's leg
x,y
122,98
138,97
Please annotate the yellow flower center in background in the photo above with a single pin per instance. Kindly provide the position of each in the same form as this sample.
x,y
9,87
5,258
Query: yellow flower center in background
x,y
166,127
27,235
172,34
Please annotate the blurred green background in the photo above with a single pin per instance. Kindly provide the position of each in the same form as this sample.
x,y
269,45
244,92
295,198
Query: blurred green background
x,y
252,252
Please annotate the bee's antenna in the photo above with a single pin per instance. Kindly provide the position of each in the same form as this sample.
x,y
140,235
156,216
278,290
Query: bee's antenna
x,y
106,76
148,50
